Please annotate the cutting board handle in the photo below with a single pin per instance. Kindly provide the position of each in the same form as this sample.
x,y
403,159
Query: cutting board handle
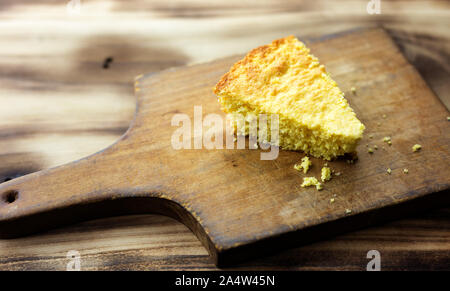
x,y
92,187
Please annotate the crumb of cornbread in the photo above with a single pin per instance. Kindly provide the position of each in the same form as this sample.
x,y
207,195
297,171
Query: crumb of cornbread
x,y
309,181
312,181
405,171
387,139
353,89
448,118
370,150
348,211
416,147
389,171
332,200
305,165
325,174
384,116
375,147
283,78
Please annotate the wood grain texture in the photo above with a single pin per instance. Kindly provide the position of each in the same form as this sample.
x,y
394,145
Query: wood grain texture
x,y
151,242
77,108
238,205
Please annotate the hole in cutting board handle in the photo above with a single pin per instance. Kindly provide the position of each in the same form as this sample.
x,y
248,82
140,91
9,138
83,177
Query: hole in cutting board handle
x,y
10,196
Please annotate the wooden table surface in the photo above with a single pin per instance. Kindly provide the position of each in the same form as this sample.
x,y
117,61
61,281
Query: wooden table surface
x,y
62,102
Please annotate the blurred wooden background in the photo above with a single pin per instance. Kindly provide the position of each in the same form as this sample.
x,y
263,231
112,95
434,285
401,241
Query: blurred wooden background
x,y
61,101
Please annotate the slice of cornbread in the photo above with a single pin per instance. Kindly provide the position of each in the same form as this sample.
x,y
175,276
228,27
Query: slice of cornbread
x,y
283,78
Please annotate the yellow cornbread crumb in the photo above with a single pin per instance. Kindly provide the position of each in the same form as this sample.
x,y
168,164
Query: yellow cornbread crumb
x,y
312,181
309,181
384,116
348,211
370,151
283,78
332,200
416,147
325,174
371,136
405,171
375,147
305,165
389,171
387,139
448,118
353,89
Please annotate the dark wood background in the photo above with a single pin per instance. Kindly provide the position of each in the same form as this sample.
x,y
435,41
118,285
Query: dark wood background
x,y
61,102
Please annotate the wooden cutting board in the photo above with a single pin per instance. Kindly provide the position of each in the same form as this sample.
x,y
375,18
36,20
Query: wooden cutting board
x,y
238,205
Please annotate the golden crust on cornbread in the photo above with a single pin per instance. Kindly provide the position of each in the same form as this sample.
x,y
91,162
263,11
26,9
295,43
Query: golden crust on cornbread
x,y
261,50
283,78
